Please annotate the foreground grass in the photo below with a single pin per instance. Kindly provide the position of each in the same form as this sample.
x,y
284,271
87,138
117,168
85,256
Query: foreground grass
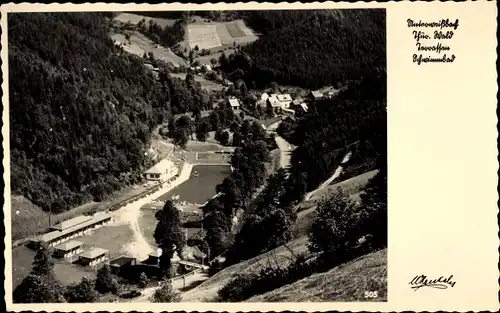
x,y
22,263
347,282
281,256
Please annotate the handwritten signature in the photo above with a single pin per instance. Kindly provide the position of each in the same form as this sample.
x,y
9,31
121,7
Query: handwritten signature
x,y
420,281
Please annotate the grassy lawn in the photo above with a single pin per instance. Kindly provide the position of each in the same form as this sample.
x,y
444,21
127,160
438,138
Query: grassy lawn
x,y
112,238
29,219
201,187
346,282
22,260
147,224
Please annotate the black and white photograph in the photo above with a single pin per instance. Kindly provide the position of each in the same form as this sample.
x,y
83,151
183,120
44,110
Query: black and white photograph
x,y
198,156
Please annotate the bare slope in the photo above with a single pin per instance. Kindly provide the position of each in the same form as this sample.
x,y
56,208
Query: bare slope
x,y
281,256
347,282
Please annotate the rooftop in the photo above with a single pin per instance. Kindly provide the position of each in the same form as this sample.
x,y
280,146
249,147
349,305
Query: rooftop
x,y
93,253
317,94
284,97
273,100
234,102
53,235
69,245
121,260
71,222
161,167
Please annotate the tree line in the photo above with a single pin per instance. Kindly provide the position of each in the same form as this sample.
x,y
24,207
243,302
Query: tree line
x,y
310,49
169,35
354,121
81,110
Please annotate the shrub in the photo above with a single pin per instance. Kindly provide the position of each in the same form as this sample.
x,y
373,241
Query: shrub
x,y
143,280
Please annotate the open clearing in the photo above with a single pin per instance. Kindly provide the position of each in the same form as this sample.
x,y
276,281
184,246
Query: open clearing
x,y
218,34
200,186
22,258
347,282
213,157
140,44
205,83
111,237
136,18
205,59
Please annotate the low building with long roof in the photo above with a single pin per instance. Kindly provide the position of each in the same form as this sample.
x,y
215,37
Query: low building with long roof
x,y
69,229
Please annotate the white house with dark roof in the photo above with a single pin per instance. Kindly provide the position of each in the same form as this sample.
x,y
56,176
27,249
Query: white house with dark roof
x,y
316,95
93,256
273,101
285,100
163,170
234,103
68,249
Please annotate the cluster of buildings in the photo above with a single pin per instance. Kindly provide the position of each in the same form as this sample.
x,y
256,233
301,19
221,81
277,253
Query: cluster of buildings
x,y
60,239
285,104
162,171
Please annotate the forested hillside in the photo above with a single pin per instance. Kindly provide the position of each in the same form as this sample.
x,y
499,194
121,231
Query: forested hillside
x,y
355,121
310,48
81,109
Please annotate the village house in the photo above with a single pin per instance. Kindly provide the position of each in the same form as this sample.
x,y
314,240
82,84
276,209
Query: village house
x,y
93,257
300,109
154,257
285,100
70,229
234,103
162,171
287,112
68,249
274,103
119,263
315,96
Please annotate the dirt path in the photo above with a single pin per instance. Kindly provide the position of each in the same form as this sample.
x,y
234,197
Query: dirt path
x,y
129,214
177,284
284,146
327,182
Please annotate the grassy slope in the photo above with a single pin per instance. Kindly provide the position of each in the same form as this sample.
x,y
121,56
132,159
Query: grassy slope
x,y
347,282
208,289
352,187
281,256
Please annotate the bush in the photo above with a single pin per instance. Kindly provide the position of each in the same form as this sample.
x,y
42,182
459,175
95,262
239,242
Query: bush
x,y
238,289
165,293
143,280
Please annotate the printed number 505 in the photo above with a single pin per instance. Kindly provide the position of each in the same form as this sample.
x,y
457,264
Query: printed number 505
x,y
371,294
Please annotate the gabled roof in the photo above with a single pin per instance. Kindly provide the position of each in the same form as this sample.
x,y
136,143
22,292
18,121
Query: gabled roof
x,y
47,237
304,107
317,94
71,222
69,245
284,97
93,253
273,100
234,102
160,167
